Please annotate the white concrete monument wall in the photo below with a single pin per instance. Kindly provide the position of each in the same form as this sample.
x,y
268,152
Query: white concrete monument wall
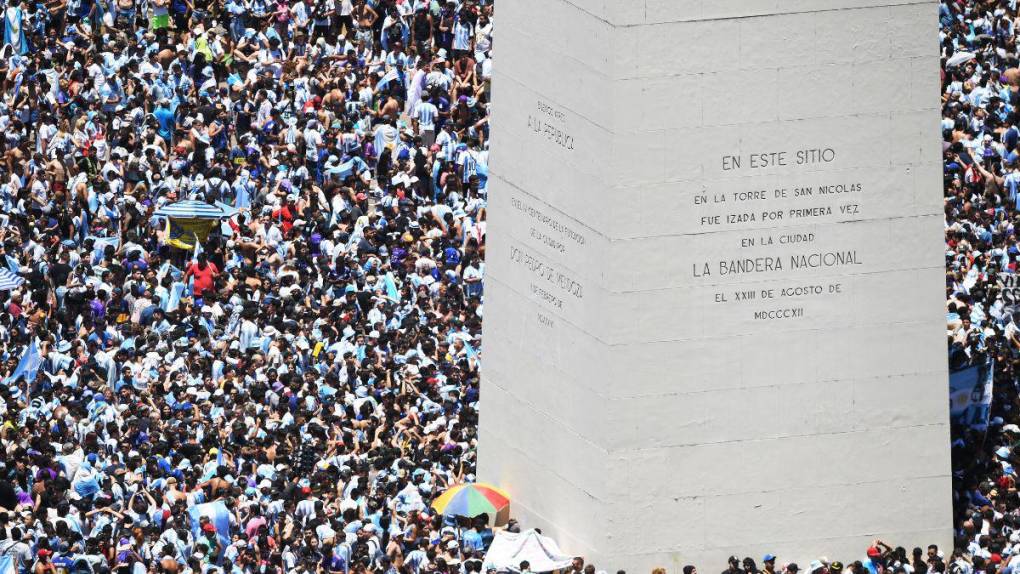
x,y
714,317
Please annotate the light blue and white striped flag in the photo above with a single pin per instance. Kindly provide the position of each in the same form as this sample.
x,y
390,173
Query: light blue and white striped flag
x,y
391,286
218,515
388,77
28,366
7,565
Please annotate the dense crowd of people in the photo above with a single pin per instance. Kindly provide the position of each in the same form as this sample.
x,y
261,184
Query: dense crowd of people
x,y
312,363
981,152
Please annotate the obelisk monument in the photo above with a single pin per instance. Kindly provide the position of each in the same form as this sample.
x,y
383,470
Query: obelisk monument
x,y
714,318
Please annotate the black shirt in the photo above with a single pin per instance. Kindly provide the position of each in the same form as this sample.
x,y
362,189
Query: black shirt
x,y
59,272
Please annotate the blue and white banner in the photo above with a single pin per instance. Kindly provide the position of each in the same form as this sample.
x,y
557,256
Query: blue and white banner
x,y
353,166
9,280
28,366
391,286
970,395
99,246
391,75
7,565
217,513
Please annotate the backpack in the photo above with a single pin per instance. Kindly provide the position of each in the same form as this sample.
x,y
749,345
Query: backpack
x,y
80,566
217,188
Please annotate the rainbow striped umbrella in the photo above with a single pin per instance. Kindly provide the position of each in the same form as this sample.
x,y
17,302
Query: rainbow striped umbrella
x,y
470,500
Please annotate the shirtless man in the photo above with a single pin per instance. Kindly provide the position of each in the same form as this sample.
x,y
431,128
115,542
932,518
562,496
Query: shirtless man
x,y
56,171
217,485
172,493
391,109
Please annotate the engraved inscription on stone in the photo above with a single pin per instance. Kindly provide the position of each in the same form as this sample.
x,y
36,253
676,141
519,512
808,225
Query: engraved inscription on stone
x,y
715,235
549,123
775,208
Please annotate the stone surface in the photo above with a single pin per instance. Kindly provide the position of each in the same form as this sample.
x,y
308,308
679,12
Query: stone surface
x,y
714,314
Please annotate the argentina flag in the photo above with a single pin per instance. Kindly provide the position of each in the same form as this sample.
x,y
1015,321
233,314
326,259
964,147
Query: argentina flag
x,y
217,513
391,286
28,366
391,75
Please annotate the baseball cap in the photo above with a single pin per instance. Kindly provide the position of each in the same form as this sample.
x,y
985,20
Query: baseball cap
x,y
769,558
792,567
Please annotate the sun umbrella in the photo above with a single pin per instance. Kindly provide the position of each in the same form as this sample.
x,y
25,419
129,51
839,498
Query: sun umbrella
x,y
228,210
470,500
959,58
9,280
509,549
191,209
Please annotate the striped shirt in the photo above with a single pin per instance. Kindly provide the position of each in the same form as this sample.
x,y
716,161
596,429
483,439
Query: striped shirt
x,y
467,160
349,142
426,113
448,144
462,32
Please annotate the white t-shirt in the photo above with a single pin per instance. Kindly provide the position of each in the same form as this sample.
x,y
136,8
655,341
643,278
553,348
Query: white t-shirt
x,y
313,139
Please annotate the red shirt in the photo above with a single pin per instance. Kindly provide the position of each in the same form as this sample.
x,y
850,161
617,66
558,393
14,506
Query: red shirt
x,y
204,278
285,214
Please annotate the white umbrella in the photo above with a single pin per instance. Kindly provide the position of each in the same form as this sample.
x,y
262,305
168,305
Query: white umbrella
x,y
959,58
508,549
190,209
